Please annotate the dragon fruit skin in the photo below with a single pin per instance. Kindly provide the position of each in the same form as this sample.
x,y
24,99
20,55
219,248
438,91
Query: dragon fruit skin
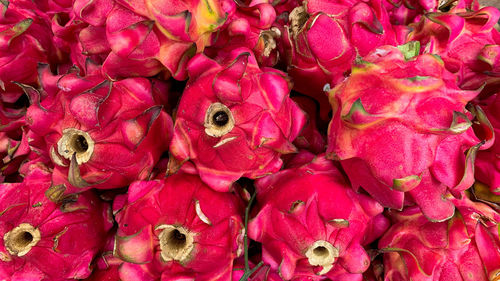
x,y
160,34
99,133
25,41
404,12
257,120
312,225
177,227
252,26
488,161
400,128
42,240
357,27
465,41
466,247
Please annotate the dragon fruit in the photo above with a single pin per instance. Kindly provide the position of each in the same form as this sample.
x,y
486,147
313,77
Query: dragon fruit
x,y
234,119
26,40
404,12
42,240
312,225
310,138
159,34
400,127
98,133
466,41
251,27
466,247
353,28
177,228
488,161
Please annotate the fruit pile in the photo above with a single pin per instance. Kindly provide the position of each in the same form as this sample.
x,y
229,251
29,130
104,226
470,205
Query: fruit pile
x,y
341,140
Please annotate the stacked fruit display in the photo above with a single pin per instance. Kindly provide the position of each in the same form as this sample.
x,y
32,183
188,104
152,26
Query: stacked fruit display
x,y
340,140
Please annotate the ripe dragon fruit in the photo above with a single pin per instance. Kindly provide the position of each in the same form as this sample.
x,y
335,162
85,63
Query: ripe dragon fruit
x,y
251,27
400,130
234,119
25,41
466,41
158,33
488,161
404,12
466,247
110,25
41,240
353,27
312,225
177,228
98,133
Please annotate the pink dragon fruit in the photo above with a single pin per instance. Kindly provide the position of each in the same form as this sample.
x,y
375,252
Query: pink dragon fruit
x,y
466,247
488,161
466,41
312,225
404,12
158,34
42,240
177,228
98,133
25,41
310,138
325,37
251,27
106,265
400,127
263,273
234,119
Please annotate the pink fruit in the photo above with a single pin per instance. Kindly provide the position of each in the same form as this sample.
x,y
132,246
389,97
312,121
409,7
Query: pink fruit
x,y
41,240
98,133
145,36
177,228
404,12
252,27
235,119
25,41
466,41
310,138
401,131
325,37
488,161
312,225
466,247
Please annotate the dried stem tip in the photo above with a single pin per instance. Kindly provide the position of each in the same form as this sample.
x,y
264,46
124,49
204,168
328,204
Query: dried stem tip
x,y
218,120
74,141
322,253
176,243
21,239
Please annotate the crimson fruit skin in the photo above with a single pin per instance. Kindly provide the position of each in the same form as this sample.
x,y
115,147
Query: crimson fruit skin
x,y
25,41
323,39
467,41
98,133
488,161
161,34
312,225
259,120
177,228
466,247
61,239
400,130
